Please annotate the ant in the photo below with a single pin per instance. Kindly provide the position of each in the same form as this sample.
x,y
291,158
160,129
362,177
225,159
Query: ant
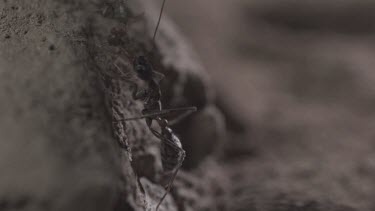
x,y
172,153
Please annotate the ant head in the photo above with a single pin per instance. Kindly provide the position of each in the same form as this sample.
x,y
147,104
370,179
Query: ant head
x,y
143,68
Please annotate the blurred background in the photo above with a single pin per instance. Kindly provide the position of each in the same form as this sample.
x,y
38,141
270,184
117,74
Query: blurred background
x,y
300,74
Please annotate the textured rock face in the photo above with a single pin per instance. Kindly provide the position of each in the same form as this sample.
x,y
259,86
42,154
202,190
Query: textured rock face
x,y
64,65
56,148
66,68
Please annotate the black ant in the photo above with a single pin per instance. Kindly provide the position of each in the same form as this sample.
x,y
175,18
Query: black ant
x,y
172,153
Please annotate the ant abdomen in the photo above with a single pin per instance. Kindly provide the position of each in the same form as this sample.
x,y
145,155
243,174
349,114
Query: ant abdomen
x,y
172,154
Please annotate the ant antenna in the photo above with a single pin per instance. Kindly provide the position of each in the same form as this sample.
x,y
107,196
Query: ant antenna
x,y
157,26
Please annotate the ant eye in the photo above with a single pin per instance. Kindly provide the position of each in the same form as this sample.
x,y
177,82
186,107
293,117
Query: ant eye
x,y
140,69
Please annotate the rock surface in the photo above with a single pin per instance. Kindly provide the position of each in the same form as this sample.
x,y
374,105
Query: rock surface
x,y
65,76
63,65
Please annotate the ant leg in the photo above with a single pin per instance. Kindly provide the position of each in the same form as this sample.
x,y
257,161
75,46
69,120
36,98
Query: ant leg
x,y
162,113
156,133
170,183
137,95
181,117
157,76
169,186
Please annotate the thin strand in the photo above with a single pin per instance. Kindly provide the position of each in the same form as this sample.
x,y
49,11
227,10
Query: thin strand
x,y
180,117
157,25
162,112
168,188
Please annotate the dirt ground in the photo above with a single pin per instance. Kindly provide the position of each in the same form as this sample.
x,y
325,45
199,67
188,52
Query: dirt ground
x,y
301,75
